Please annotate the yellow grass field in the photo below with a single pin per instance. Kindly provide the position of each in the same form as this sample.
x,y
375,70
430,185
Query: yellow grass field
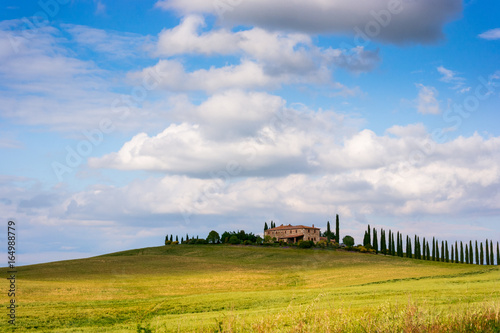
x,y
221,288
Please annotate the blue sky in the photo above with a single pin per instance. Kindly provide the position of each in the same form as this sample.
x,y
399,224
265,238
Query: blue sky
x,y
121,122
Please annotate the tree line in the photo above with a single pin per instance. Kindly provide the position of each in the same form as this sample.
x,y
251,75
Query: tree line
x,y
387,243
434,250
213,237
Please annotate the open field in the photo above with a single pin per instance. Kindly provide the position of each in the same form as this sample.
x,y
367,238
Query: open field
x,y
236,288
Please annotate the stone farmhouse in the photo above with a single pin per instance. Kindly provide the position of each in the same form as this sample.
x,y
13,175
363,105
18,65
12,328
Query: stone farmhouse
x,y
294,233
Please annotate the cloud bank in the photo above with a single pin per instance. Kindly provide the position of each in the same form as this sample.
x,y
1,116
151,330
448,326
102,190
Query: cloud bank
x,y
392,21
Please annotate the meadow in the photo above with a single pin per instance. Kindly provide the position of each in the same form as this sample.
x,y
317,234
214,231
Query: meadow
x,y
223,288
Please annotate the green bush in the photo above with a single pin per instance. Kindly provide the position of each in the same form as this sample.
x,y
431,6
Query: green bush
x,y
306,244
322,244
268,240
234,240
200,241
360,248
348,241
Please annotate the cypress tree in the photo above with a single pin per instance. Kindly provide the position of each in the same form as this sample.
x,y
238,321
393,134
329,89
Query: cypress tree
x,y
265,227
424,253
410,254
415,245
171,238
187,238
166,239
369,236
442,251
392,246
375,240
428,252
437,250
471,253
477,255
176,238
383,245
389,245
487,253
401,244
462,252
337,229
498,255
398,247
492,258
481,255
433,249
365,239
182,240
466,253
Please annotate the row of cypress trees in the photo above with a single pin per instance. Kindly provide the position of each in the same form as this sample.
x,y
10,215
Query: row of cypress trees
x,y
392,244
177,238
273,225
329,234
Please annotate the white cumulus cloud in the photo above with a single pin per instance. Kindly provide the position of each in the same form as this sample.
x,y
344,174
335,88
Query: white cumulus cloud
x,y
427,102
492,34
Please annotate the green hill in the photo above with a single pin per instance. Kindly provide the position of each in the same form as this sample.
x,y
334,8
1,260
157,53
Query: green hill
x,y
244,288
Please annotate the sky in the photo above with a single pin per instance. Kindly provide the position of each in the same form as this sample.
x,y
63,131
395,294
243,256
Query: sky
x,y
124,121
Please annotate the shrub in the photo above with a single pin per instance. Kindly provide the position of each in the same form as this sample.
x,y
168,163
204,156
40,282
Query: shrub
x,y
175,243
213,237
234,240
306,244
322,243
360,248
200,241
348,241
247,242
168,242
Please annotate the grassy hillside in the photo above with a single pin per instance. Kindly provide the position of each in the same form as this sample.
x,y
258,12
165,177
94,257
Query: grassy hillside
x,y
232,288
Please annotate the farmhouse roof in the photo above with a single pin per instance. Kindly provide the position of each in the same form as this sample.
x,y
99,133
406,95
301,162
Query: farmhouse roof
x,y
286,227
